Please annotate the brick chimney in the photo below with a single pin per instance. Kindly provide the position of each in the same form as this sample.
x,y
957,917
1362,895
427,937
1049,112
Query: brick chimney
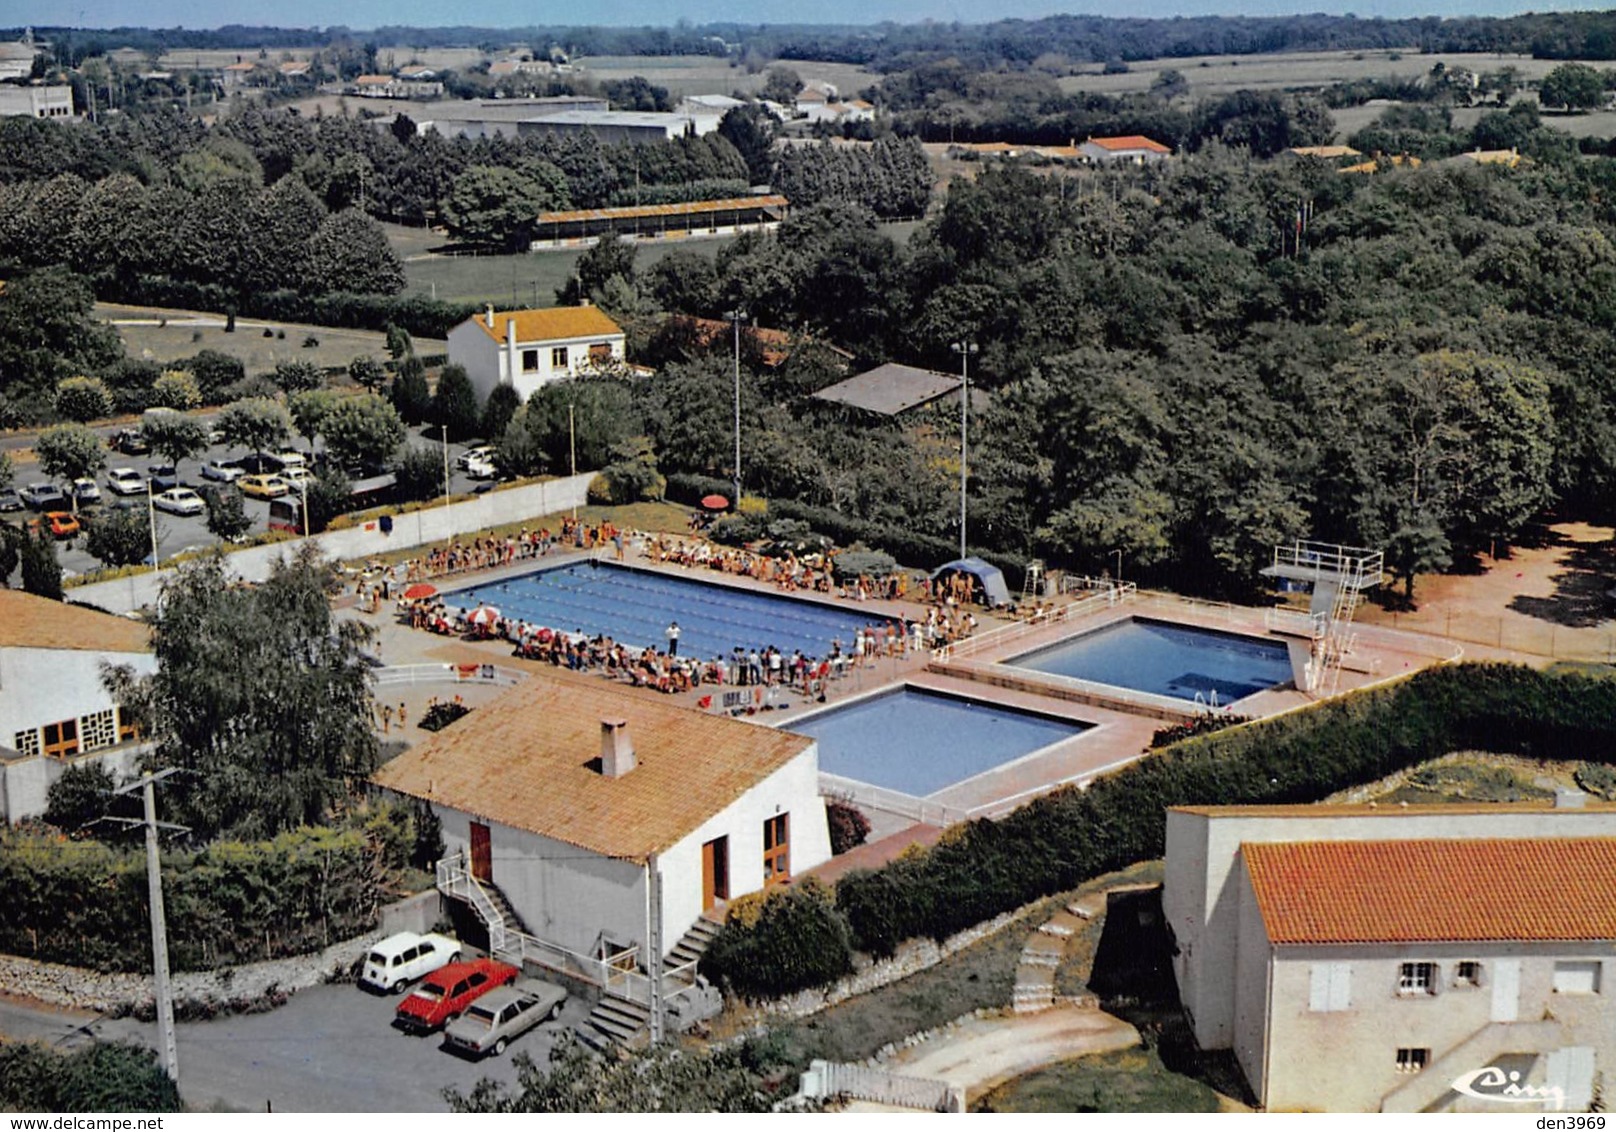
x,y
616,748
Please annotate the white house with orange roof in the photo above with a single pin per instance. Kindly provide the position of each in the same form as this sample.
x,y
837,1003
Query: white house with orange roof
x,y
528,349
1371,958
55,710
1134,148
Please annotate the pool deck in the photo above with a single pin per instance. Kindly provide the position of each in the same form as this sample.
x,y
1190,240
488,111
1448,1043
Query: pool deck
x,y
1122,722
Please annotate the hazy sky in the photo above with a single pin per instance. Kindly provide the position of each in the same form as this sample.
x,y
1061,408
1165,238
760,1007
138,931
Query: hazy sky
x,y
518,13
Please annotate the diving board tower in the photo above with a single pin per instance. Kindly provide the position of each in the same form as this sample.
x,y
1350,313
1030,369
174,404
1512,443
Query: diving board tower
x,y
1338,575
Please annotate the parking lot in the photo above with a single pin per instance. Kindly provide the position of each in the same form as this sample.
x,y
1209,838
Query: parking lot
x,y
177,533
330,1049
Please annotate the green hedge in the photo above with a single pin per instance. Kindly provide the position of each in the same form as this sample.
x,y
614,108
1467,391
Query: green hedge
x,y
781,942
100,1077
1055,842
84,903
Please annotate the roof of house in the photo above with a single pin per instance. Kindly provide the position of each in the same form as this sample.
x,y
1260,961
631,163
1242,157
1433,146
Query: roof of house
x,y
1509,157
1434,891
29,622
773,345
295,67
374,80
1311,810
530,760
1130,142
549,324
890,389
243,66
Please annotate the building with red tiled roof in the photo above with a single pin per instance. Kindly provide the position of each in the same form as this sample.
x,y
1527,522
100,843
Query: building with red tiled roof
x,y
527,349
567,795
1135,148
55,711
1400,958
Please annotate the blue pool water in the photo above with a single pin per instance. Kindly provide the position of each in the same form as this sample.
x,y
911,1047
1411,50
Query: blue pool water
x,y
918,742
635,606
1169,660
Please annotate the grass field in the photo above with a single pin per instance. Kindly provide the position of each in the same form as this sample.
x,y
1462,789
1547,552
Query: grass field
x,y
1130,1080
187,333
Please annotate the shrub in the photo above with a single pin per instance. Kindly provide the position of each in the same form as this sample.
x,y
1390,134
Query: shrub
x,y
1597,779
440,715
780,942
848,826
176,389
83,399
79,797
101,1077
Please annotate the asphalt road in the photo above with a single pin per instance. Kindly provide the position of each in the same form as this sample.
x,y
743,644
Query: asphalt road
x,y
176,533
329,1049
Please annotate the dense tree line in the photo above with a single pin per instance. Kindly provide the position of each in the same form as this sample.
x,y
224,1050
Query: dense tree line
x,y
892,177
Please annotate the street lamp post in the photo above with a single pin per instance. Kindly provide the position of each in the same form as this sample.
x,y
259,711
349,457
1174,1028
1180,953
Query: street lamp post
x,y
964,348
735,317
151,522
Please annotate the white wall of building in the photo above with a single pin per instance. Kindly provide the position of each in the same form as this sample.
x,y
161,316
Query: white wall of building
x,y
25,783
39,686
417,528
1201,900
526,366
36,102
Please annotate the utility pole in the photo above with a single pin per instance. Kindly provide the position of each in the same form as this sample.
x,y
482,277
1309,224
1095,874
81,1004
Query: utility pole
x,y
964,348
159,930
572,450
653,960
735,316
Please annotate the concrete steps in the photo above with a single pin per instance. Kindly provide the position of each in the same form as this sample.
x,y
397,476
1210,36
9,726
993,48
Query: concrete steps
x,y
616,1022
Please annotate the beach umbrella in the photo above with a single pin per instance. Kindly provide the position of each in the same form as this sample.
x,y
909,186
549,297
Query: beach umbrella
x,y
420,590
484,615
714,502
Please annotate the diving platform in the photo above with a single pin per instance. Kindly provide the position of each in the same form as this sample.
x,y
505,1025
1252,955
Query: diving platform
x,y
1338,576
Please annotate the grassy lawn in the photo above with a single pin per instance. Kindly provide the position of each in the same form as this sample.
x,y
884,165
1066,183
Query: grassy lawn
x,y
1470,777
183,338
707,74
1130,1080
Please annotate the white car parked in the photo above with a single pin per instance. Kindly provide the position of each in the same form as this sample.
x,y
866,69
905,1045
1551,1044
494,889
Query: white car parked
x,y
126,481
405,957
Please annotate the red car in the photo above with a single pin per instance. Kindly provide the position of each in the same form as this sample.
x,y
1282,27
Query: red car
x,y
443,995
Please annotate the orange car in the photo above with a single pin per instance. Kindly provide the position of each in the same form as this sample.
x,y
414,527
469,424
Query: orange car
x,y
61,524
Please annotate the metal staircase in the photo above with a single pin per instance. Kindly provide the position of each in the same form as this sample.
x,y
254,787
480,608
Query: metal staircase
x,y
618,1021
1339,575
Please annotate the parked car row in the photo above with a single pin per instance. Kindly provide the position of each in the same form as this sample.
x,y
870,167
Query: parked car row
x,y
482,1005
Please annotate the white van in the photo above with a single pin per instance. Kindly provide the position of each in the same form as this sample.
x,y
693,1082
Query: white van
x,y
405,957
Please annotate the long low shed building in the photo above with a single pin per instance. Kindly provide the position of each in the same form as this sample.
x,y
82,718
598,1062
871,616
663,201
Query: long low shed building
x,y
583,226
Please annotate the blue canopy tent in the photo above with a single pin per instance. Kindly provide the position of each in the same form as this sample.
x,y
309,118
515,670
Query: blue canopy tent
x,y
989,576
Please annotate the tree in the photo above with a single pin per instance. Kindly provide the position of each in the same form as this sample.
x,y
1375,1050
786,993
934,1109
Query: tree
x,y
175,389
750,129
227,513
410,394
362,432
174,436
99,1077
610,256
261,693
1574,86
256,424
70,452
330,494
41,570
83,399
120,537
398,342
503,401
295,377
79,797
309,410
495,206
48,330
781,84
215,372
367,373
420,473
454,405
350,252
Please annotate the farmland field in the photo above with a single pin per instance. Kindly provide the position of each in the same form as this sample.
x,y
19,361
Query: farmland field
x,y
706,74
1222,74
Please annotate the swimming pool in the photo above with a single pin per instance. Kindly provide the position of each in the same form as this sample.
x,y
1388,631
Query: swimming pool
x,y
635,606
918,742
1167,659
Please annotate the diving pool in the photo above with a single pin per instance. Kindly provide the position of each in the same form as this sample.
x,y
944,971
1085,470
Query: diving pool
x,y
918,742
1166,659
634,607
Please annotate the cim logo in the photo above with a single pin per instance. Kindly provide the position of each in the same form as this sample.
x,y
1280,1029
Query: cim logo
x,y
1491,1083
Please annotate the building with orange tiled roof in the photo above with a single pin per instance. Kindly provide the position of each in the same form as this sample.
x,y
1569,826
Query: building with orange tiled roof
x,y
1135,148
567,795
527,349
1400,958
55,711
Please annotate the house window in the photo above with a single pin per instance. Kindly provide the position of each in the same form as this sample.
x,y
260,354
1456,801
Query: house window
x,y
1412,1060
62,739
128,726
1467,973
1416,978
777,850
100,730
558,357
27,742
600,353
530,361
1576,976
1331,987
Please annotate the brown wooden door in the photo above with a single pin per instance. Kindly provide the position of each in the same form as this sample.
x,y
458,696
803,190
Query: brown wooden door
x,y
714,872
482,852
